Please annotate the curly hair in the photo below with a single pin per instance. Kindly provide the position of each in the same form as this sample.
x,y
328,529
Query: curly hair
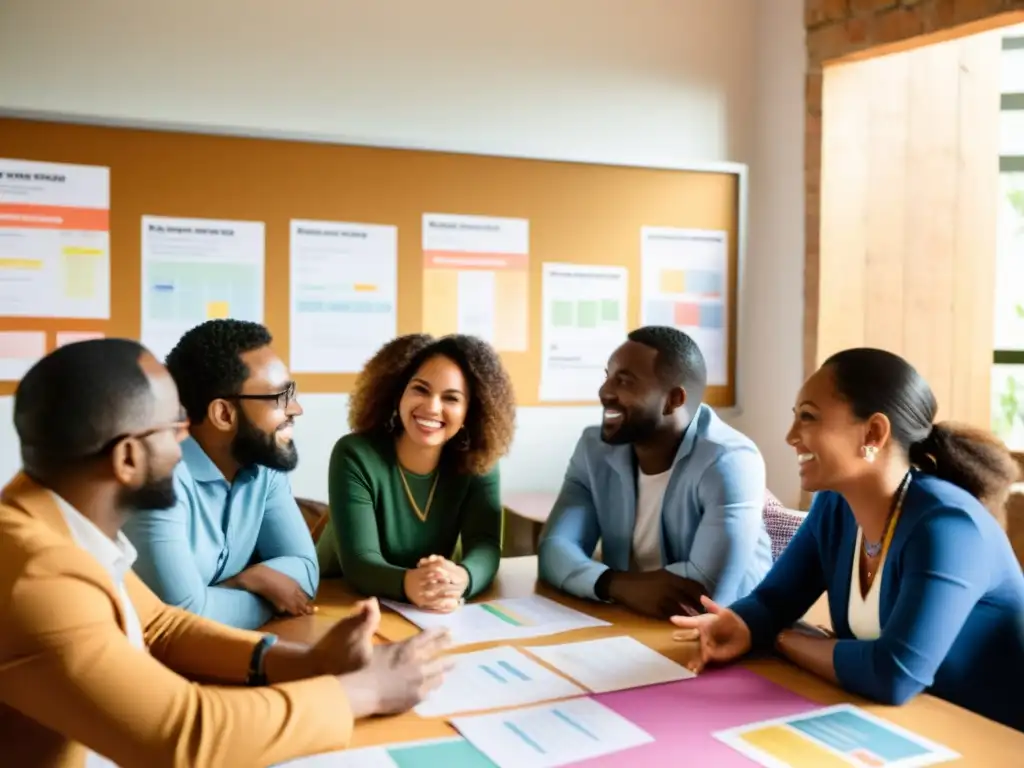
x,y
490,418
206,363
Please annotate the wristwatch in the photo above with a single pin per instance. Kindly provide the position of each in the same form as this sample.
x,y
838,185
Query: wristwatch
x,y
257,673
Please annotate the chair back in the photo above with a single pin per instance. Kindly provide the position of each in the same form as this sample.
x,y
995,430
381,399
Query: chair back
x,y
781,523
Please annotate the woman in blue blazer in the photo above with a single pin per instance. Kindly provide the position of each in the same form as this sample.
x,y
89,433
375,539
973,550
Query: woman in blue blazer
x,y
924,590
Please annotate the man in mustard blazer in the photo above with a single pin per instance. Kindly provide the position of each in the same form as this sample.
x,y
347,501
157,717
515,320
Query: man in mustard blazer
x,y
94,669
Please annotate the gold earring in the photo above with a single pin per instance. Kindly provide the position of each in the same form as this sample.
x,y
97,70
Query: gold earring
x,y
870,452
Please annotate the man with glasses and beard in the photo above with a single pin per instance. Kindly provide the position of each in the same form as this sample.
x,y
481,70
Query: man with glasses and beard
x,y
673,494
235,548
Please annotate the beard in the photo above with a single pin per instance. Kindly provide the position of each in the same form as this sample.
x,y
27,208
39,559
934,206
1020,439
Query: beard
x,y
253,446
632,428
154,493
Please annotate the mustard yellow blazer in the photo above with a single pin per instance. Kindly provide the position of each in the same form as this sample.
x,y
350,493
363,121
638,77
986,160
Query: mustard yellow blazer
x,y
70,681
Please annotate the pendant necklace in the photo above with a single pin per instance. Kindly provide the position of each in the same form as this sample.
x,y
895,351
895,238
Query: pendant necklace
x,y
874,549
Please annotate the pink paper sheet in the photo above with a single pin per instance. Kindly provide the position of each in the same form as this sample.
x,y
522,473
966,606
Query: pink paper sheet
x,y
682,716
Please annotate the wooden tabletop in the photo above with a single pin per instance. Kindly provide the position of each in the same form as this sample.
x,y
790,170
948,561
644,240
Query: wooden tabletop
x,y
980,741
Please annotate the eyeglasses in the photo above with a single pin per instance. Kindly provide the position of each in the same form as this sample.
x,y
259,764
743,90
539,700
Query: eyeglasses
x,y
282,399
179,428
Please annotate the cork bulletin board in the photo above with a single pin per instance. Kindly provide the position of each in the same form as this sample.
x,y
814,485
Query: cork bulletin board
x,y
577,212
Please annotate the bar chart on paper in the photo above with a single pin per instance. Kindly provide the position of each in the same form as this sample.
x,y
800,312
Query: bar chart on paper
x,y
476,278
194,270
550,734
504,619
839,736
684,284
344,286
495,678
54,240
583,321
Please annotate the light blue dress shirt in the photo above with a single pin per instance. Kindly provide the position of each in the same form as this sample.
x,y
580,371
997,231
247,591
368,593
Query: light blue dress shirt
x,y
712,525
218,529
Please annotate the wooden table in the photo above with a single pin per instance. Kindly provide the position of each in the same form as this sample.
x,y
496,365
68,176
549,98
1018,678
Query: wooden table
x,y
981,742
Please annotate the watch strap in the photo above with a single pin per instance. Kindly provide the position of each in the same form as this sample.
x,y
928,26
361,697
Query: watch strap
x,y
257,663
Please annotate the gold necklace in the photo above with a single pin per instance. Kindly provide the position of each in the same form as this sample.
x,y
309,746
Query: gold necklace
x,y
420,513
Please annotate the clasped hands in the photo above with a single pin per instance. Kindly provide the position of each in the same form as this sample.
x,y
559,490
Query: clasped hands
x,y
436,584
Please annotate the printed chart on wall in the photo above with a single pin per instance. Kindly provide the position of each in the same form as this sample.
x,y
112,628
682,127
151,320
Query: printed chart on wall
x,y
194,270
54,240
584,320
684,283
842,736
344,286
476,278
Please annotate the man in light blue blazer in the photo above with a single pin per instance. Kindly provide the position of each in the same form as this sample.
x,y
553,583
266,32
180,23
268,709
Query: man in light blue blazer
x,y
673,493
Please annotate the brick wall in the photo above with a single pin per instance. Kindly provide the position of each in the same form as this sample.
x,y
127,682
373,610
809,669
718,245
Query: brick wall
x,y
840,28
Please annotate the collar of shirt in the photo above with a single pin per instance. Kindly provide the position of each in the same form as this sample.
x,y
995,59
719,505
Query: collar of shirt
x,y
117,557
202,468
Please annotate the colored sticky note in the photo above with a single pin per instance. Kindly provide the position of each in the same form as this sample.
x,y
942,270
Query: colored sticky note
x,y
17,263
562,313
609,310
72,337
19,351
792,749
672,281
587,313
217,310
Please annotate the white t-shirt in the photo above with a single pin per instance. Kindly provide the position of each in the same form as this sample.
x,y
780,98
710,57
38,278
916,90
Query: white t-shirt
x,y
647,529
862,614
117,558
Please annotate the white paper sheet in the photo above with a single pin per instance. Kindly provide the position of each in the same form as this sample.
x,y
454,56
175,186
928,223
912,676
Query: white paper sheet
x,y
450,752
496,620
583,321
194,270
844,731
492,679
551,734
476,278
344,291
611,664
54,240
19,351
685,284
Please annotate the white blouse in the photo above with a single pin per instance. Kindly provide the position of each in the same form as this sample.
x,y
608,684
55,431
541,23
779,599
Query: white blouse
x,y
862,614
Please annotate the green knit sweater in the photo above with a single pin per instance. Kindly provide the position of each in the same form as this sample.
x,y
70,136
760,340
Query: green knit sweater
x,y
374,535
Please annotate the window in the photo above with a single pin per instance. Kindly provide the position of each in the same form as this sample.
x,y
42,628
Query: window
x,y
1008,358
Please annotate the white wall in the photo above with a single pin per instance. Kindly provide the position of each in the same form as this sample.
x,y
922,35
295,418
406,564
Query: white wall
x,y
658,82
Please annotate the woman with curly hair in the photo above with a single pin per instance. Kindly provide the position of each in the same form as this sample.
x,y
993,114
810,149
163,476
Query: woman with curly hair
x,y
418,474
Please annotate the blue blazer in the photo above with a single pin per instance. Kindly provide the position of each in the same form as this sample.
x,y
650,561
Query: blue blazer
x,y
951,603
712,526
